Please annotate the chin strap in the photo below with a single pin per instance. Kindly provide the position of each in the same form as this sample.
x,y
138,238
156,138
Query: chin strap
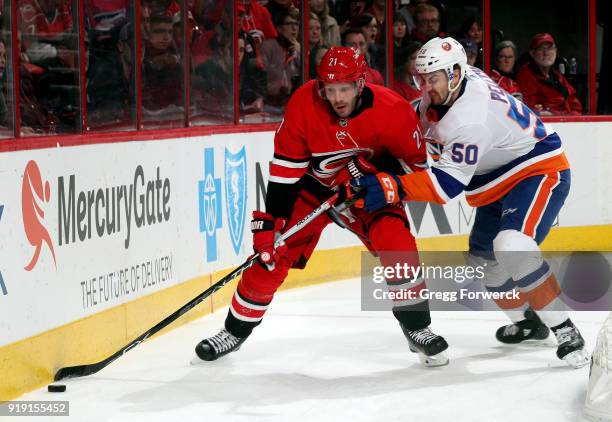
x,y
452,90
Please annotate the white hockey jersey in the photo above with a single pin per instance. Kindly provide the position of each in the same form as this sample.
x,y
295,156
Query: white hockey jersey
x,y
487,141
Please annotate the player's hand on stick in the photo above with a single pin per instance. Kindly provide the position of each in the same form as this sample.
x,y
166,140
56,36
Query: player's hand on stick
x,y
378,190
357,167
266,231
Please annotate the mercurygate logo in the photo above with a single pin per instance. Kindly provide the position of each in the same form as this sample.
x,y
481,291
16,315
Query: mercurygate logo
x,y
90,212
101,211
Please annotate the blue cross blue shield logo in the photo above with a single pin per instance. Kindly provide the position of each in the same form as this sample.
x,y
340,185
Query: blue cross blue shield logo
x,y
209,196
236,195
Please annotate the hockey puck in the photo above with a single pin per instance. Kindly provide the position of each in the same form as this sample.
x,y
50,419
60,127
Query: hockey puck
x,y
56,388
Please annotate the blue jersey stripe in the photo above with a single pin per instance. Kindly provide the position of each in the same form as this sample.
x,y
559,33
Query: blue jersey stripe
x,y
548,144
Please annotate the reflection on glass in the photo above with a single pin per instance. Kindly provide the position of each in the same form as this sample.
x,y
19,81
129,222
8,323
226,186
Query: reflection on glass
x,y
110,53
7,106
212,58
49,70
282,59
163,99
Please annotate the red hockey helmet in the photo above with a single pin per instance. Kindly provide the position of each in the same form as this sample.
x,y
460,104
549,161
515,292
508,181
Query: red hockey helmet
x,y
341,64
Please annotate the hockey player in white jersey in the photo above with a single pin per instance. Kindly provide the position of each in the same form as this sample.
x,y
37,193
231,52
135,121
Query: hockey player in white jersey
x,y
512,168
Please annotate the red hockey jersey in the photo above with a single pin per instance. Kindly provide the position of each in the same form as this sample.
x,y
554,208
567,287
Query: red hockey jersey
x,y
313,139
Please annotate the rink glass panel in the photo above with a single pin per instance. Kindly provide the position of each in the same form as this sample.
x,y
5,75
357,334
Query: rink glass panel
x,y
110,51
567,21
162,76
7,104
211,49
50,67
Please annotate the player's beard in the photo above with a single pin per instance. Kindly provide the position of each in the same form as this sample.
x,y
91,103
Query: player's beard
x,y
347,107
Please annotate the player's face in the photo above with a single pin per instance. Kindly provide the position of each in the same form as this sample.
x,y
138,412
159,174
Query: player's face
x,y
342,96
435,84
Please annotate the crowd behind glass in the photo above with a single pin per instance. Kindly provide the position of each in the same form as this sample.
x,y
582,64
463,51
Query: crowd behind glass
x,y
185,53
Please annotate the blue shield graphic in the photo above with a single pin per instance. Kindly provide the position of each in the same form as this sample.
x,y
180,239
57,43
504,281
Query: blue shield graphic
x,y
209,199
236,195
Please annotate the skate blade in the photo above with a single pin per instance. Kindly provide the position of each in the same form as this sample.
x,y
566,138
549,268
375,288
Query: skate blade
x,y
441,359
545,342
577,359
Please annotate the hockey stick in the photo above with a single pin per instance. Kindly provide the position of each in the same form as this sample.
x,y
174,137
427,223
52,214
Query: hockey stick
x,y
92,368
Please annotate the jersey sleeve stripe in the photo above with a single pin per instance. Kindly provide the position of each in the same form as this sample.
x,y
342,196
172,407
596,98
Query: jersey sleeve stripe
x,y
290,164
447,183
494,191
546,148
276,170
420,187
291,159
284,180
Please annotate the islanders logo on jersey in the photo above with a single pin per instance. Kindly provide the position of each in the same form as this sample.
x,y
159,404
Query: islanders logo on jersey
x,y
236,194
446,46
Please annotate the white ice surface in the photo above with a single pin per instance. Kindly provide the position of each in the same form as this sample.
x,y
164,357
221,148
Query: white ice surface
x,y
317,357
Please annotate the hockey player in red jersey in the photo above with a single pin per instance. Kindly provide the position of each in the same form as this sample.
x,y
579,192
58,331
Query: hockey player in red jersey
x,y
335,127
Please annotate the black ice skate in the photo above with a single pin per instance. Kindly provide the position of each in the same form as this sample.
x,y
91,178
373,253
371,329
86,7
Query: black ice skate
x,y
571,345
218,345
531,328
429,346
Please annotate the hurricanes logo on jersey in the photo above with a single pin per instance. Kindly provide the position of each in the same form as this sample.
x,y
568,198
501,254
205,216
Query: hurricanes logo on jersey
x,y
326,165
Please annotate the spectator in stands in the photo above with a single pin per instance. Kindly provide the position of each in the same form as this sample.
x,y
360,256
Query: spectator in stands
x,y
471,50
253,78
110,63
400,34
504,72
212,81
354,38
404,71
50,42
282,59
545,89
330,31
162,73
427,23
314,31
378,11
472,30
256,21
407,9
367,24
376,52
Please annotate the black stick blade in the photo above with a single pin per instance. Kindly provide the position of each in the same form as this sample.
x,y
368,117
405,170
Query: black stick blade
x,y
78,371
